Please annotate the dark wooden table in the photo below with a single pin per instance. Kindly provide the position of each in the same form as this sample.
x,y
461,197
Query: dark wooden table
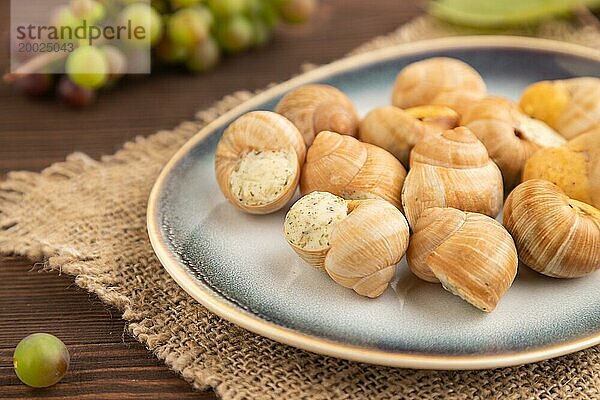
x,y
107,363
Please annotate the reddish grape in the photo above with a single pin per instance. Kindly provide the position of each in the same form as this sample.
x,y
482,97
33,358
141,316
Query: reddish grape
x,y
74,95
35,85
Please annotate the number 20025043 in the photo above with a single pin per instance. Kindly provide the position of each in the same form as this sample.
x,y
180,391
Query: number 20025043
x,y
45,47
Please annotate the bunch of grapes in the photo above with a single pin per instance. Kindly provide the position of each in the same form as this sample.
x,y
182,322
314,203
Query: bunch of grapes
x,y
194,34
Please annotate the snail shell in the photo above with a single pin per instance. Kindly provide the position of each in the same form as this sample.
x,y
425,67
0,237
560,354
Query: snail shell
x,y
574,167
435,118
358,243
458,100
555,235
509,136
316,108
436,81
471,254
397,130
392,129
452,169
571,106
258,162
342,165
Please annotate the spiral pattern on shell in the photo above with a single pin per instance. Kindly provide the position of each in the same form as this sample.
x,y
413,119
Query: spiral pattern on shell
x,y
452,169
471,254
367,246
509,136
316,108
392,129
342,165
253,134
438,80
555,235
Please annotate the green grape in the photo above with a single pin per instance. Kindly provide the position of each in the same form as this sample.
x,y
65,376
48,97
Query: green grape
x,y
269,14
188,26
161,6
227,8
90,10
297,11
141,14
63,16
263,16
204,56
235,34
87,66
41,360
254,7
206,14
98,12
176,4
169,52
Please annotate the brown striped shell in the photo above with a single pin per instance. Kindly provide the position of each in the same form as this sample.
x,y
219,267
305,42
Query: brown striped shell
x,y
259,132
397,130
364,248
509,136
555,235
471,254
438,80
342,165
315,108
452,169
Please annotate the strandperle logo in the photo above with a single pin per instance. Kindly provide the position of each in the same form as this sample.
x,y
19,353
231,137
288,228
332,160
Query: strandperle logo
x,y
76,37
85,31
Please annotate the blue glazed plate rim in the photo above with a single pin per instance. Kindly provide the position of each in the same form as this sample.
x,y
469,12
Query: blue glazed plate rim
x,y
224,308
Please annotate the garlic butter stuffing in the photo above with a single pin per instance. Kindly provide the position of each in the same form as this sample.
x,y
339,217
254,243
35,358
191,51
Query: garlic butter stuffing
x,y
311,219
258,162
261,176
464,150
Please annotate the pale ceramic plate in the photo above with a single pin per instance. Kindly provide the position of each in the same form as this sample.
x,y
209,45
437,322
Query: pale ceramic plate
x,y
240,267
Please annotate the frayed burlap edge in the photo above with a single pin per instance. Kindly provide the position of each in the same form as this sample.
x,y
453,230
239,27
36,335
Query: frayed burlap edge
x,y
95,246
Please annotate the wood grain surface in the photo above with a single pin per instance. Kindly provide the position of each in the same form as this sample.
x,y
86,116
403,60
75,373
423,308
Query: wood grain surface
x,y
107,363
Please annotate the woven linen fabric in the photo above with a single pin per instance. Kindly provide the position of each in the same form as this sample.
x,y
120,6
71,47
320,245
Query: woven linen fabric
x,y
87,218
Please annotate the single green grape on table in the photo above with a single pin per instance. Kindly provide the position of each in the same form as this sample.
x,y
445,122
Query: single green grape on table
x,y
41,360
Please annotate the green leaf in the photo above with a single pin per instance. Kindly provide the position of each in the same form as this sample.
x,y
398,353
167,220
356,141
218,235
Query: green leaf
x,y
502,13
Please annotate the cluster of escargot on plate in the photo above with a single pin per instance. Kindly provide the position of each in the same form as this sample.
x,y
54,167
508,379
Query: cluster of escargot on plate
x,y
464,150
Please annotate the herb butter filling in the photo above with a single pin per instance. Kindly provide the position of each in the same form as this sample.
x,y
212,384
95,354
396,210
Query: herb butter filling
x,y
311,220
262,176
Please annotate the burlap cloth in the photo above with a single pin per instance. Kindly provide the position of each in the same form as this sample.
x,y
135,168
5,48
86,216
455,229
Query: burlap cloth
x,y
87,218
